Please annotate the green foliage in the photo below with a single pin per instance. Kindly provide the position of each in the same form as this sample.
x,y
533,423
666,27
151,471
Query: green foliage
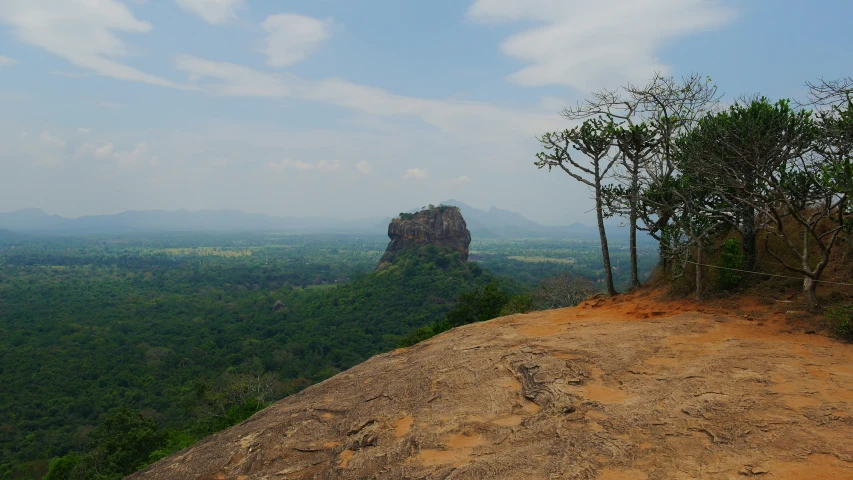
x,y
517,304
163,325
478,305
731,257
123,443
472,306
840,318
440,208
62,468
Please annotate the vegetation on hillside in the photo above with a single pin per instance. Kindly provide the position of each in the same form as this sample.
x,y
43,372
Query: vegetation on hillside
x,y
185,333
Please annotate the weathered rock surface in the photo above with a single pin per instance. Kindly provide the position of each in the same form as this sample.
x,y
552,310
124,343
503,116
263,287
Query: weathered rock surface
x,y
625,389
442,227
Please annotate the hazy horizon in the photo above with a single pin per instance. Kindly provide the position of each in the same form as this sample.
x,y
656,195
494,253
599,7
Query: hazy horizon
x,y
337,110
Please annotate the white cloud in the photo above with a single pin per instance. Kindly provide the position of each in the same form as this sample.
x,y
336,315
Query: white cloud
x,y
364,167
83,131
104,151
82,32
587,45
461,180
7,62
288,164
415,174
139,156
474,121
48,139
292,38
233,79
214,12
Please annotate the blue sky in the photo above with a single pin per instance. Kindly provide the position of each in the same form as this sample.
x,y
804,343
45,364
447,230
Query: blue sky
x,y
354,108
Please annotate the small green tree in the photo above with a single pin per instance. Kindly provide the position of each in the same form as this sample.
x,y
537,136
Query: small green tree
x,y
123,443
62,468
478,305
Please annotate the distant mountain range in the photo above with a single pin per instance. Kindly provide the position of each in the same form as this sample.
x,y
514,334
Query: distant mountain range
x,y
492,223
496,222
34,220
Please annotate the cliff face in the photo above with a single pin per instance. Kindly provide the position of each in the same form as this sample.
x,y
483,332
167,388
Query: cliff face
x,y
614,389
440,226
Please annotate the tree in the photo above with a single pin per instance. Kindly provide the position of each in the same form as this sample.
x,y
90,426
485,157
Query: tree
x,y
478,305
776,170
635,143
122,444
735,153
563,290
594,139
671,107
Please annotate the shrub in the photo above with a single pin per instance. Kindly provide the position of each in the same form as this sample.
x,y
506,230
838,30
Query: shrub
x,y
731,257
562,291
840,318
517,304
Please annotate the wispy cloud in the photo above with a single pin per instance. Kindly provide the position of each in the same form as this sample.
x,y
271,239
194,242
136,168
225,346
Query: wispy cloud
x,y
292,38
214,12
474,121
84,33
7,62
585,45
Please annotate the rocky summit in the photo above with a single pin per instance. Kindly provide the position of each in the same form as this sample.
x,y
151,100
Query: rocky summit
x,y
442,226
626,388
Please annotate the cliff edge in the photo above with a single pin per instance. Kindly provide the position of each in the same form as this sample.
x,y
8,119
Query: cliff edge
x,y
442,226
614,389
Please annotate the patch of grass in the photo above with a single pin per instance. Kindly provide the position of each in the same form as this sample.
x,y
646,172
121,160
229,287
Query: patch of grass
x,y
519,258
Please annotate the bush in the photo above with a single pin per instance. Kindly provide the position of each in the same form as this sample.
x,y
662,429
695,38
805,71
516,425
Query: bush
x,y
840,318
731,257
517,304
61,468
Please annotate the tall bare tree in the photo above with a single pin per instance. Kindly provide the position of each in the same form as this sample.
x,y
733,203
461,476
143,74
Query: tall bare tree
x,y
594,139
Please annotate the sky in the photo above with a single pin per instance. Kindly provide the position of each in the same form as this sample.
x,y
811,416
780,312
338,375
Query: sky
x,y
355,108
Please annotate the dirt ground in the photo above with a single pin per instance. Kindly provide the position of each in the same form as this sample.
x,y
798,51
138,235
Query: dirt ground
x,y
635,387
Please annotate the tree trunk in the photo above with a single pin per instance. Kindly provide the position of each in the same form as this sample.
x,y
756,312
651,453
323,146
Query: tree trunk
x,y
602,234
810,292
635,274
632,218
809,285
749,238
700,272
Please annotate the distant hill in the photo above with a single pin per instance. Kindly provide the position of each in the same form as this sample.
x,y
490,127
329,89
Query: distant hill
x,y
483,224
35,220
497,222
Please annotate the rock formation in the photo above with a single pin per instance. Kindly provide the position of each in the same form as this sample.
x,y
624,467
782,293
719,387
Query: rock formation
x,y
441,226
624,388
